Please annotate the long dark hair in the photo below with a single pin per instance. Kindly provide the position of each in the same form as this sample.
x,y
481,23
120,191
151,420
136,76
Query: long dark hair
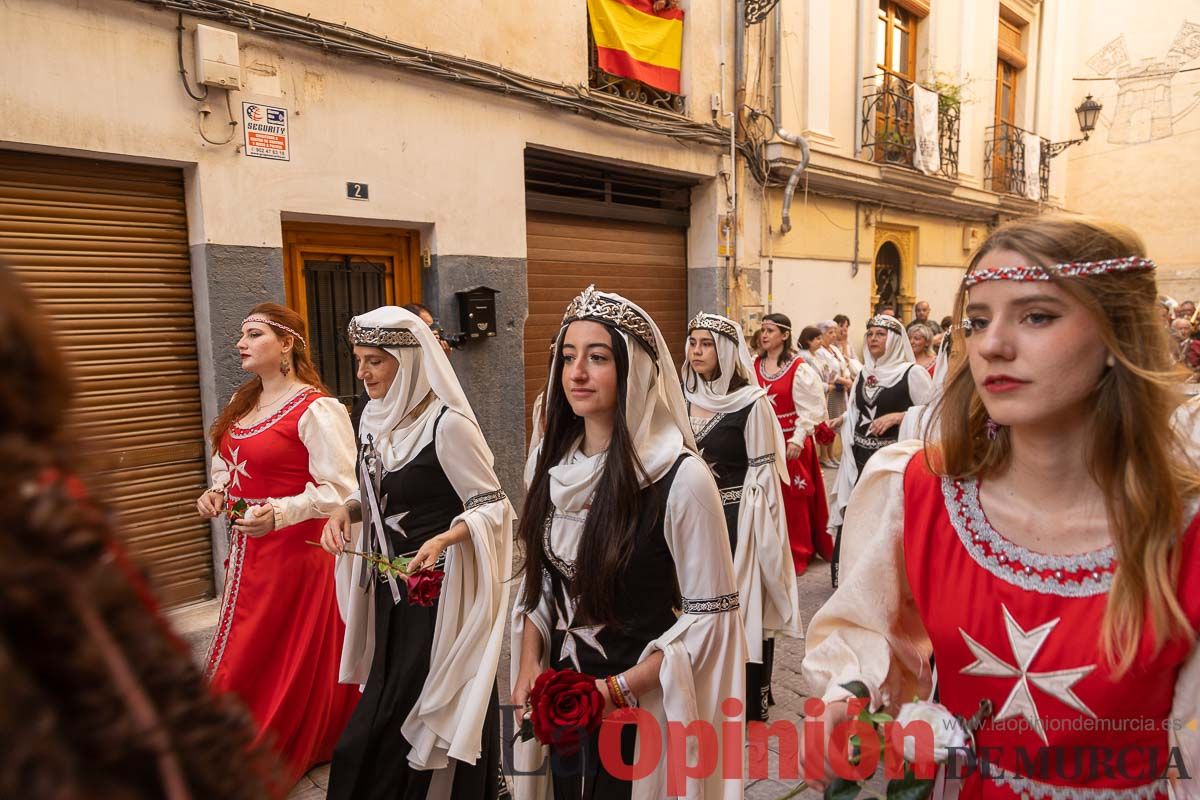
x,y
783,321
97,697
608,535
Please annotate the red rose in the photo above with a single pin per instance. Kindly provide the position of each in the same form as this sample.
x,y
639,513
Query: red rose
x,y
872,381
824,434
566,706
424,587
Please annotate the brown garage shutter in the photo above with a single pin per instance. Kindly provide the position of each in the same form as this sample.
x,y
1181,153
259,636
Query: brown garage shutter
x,y
645,262
104,248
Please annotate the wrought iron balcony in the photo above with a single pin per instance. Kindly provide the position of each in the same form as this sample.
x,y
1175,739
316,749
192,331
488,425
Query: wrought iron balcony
x,y
1004,162
887,125
629,88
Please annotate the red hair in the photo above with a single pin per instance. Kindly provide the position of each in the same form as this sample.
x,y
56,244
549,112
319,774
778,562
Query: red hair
x,y
246,396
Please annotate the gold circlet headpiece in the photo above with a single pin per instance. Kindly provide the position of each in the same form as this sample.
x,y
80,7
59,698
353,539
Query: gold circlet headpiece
x,y
1069,269
608,310
715,324
381,337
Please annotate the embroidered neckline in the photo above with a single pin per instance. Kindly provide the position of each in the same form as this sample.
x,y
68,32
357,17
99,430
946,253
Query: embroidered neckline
x,y
1082,575
762,371
238,432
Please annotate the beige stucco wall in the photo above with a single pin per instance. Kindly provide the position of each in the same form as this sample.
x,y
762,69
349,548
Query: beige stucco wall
x,y
1143,169
102,78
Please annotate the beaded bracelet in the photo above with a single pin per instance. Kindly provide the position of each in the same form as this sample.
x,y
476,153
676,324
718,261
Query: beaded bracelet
x,y
614,691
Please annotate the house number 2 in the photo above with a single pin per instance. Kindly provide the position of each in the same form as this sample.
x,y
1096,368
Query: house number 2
x,y
357,191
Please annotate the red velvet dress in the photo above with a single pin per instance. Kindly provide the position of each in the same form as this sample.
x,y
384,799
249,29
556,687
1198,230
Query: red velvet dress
x,y
1021,629
278,641
804,497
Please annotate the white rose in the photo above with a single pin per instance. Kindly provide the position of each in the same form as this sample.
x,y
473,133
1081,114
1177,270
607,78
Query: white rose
x,y
948,730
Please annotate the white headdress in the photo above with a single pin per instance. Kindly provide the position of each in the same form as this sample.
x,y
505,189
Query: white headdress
x,y
423,367
655,413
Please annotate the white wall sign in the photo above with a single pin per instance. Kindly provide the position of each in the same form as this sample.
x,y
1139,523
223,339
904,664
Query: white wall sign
x,y
266,131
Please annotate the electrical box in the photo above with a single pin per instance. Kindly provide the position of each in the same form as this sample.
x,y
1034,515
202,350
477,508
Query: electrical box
x,y
477,312
218,62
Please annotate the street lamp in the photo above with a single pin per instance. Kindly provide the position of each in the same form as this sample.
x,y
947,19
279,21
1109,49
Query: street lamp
x,y
1088,112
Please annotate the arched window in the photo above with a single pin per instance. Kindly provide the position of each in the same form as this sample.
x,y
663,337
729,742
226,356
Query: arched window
x,y
887,277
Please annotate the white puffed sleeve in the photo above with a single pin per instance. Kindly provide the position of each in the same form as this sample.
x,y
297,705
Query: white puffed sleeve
x,y
218,474
919,415
808,395
704,652
869,630
326,433
447,720
763,563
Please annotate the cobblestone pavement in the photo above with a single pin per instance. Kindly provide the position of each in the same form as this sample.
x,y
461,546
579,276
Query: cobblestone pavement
x,y
788,684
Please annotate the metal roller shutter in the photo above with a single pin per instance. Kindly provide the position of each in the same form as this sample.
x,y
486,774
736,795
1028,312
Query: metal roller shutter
x,y
104,248
645,262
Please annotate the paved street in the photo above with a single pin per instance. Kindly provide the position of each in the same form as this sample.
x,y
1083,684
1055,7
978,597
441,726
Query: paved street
x,y
789,685
196,625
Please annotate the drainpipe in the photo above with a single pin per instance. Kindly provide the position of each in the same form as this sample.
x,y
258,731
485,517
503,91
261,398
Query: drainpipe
x,y
794,178
860,48
796,139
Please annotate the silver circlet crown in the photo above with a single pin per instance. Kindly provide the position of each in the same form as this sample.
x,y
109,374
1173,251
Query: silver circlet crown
x,y
715,324
381,337
603,308
1070,269
888,323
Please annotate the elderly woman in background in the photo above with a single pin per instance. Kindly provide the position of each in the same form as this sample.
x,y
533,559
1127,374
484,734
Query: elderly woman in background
x,y
920,336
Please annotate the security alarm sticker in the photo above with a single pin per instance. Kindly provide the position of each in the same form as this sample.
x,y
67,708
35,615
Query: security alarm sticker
x,y
266,131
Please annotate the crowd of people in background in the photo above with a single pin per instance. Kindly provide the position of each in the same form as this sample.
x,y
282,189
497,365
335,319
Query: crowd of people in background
x,y
667,506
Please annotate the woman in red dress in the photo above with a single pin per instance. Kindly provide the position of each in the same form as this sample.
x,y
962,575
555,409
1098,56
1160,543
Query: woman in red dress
x,y
1045,548
285,447
798,396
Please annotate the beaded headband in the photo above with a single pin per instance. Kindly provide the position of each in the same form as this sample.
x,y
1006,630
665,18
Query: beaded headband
x,y
381,337
779,325
275,324
888,323
714,324
1071,269
607,310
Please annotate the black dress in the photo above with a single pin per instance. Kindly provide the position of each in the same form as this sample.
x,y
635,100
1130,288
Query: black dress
x,y
722,442
370,761
601,650
889,400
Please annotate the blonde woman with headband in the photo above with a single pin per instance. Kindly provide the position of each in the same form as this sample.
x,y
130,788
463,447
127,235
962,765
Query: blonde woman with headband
x,y
1045,549
283,459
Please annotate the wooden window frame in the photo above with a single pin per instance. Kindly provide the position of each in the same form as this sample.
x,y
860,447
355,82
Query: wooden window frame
x,y
306,239
888,17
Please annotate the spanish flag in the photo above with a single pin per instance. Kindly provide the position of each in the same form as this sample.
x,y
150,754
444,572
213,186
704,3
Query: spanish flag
x,y
634,41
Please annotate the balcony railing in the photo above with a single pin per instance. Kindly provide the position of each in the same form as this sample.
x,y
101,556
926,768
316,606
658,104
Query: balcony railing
x,y
887,125
1004,162
629,88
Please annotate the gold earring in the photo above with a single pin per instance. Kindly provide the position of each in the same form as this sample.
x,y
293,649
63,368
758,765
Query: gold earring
x,y
285,366
1111,360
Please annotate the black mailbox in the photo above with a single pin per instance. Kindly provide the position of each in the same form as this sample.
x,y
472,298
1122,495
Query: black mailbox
x,y
477,312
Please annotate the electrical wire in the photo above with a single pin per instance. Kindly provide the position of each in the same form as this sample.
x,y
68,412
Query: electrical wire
x,y
232,123
342,40
182,71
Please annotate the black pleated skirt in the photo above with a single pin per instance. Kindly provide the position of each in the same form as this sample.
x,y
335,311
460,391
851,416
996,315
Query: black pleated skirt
x,y
370,761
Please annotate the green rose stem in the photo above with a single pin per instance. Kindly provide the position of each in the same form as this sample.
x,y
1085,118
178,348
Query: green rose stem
x,y
397,566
